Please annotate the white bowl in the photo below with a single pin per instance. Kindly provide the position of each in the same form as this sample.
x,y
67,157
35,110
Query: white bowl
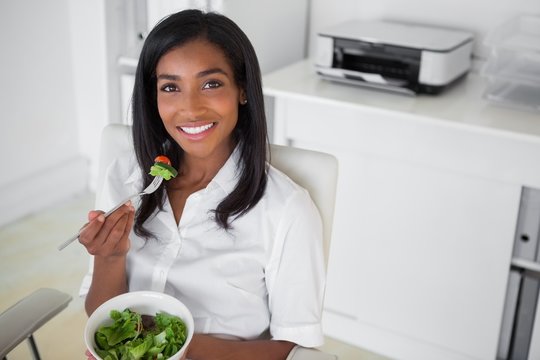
x,y
143,302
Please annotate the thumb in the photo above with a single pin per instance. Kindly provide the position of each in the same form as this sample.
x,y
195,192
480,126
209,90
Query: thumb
x,y
92,214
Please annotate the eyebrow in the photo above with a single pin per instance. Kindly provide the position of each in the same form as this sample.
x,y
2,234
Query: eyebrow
x,y
199,74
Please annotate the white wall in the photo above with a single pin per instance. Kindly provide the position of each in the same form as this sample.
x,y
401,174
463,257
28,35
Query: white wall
x,y
276,28
87,29
42,96
478,16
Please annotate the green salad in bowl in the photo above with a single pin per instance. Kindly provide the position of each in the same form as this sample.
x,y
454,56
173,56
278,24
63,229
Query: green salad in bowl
x,y
139,325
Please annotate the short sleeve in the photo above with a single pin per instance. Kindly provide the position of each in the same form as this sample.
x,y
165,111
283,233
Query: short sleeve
x,y
296,274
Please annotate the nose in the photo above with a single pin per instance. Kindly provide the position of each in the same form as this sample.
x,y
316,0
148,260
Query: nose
x,y
192,105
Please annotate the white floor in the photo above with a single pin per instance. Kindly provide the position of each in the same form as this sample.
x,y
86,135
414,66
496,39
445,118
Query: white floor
x,y
29,260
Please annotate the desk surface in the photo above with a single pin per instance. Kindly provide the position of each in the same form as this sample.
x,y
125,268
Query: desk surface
x,y
461,105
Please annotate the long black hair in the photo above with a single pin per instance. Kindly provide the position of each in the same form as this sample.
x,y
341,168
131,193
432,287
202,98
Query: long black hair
x,y
150,137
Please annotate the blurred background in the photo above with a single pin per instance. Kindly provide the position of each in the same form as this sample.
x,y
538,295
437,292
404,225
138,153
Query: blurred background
x,y
67,65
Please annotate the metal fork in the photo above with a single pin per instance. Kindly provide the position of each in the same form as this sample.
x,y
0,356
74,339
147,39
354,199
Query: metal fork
x,y
153,186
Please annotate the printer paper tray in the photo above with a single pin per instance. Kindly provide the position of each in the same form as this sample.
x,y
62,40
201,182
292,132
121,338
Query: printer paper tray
x,y
359,82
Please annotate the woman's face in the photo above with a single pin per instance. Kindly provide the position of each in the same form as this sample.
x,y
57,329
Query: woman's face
x,y
198,99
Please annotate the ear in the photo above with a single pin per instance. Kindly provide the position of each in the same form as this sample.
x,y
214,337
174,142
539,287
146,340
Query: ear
x,y
242,97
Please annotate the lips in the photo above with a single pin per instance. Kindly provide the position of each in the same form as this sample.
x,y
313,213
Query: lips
x,y
194,130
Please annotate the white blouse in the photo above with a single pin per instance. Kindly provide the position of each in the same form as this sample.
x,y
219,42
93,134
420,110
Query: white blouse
x,y
264,275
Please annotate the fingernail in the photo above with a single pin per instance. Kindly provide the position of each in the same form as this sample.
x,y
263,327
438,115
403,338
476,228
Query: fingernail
x,y
101,218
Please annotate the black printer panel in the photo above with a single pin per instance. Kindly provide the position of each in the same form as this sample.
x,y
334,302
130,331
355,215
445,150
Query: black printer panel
x,y
391,62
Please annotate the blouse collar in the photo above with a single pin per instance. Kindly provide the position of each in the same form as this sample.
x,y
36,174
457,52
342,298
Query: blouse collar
x,y
227,176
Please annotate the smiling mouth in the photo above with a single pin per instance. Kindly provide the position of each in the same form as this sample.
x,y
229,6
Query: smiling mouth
x,y
193,130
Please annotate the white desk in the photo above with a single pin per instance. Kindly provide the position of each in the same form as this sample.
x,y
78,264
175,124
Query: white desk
x,y
426,209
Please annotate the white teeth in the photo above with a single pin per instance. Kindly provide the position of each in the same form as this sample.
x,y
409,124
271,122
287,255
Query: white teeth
x,y
196,129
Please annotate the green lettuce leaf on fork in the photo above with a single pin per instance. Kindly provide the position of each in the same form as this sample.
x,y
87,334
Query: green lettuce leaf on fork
x,y
165,171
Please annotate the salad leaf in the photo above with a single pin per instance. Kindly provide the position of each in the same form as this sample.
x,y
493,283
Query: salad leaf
x,y
137,351
131,338
165,171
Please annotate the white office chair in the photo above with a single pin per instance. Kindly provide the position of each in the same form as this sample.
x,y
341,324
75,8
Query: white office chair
x,y
314,171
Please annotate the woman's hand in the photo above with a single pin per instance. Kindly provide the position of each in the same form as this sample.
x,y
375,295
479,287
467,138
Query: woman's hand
x,y
108,236
210,347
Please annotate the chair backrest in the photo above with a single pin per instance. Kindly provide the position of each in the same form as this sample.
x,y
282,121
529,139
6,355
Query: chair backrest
x,y
315,171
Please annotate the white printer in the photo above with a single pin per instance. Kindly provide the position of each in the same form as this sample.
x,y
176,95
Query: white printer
x,y
394,56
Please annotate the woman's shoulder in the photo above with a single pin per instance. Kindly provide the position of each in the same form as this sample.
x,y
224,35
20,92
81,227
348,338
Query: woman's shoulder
x,y
288,198
117,179
121,170
281,186
123,165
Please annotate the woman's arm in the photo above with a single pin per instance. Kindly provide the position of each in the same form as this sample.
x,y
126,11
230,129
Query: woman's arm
x,y
107,239
206,347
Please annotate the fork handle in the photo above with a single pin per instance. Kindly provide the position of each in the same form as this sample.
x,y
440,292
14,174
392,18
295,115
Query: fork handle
x,y
131,197
69,241
76,236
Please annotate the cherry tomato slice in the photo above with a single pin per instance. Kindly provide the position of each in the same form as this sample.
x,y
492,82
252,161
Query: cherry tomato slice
x,y
163,159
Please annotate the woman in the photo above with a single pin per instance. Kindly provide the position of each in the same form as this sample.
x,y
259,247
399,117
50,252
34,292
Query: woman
x,y
233,238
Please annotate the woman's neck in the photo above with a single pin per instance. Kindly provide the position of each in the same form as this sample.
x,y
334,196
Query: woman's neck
x,y
197,172
194,174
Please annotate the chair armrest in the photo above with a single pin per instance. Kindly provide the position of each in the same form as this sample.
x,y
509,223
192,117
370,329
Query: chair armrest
x,y
302,353
27,315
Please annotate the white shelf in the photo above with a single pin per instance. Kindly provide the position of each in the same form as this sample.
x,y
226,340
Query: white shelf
x,y
461,105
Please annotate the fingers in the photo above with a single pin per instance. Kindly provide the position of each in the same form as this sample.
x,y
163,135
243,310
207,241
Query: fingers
x,y
89,355
123,245
108,236
92,227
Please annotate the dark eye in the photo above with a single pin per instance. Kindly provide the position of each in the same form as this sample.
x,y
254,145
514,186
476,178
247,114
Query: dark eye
x,y
212,84
169,88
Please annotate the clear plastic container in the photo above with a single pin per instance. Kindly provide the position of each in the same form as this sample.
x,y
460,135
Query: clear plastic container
x,y
514,94
512,69
520,34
